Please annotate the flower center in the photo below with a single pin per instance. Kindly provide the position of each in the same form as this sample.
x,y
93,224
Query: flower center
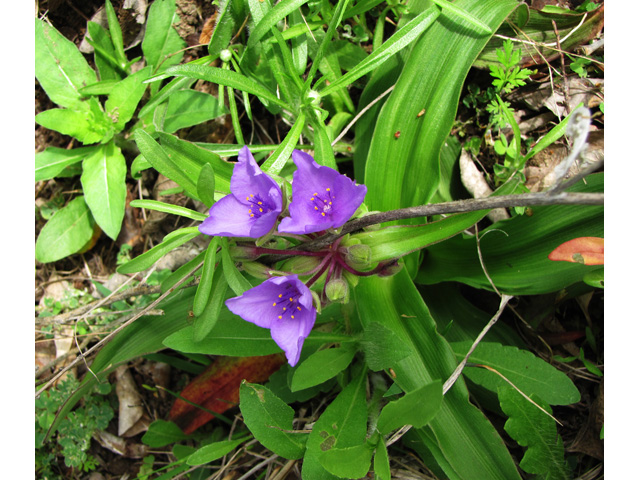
x,y
257,206
286,305
322,202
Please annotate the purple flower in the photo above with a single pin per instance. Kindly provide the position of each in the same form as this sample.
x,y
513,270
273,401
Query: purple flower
x,y
322,197
283,304
252,208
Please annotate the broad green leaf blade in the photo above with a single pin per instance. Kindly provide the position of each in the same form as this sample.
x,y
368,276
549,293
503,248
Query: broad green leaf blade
x,y
403,166
237,282
274,164
400,39
213,451
415,408
343,424
104,53
206,185
515,254
168,208
53,160
323,151
223,29
222,77
350,462
204,323
273,16
206,280
382,347
103,182
529,373
116,33
148,258
161,41
67,232
381,465
80,124
162,433
269,419
188,107
157,157
191,158
60,67
532,428
124,98
321,366
458,426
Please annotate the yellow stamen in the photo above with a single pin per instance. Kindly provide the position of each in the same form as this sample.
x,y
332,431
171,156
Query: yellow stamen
x,y
299,308
291,316
328,189
280,317
274,304
280,296
323,214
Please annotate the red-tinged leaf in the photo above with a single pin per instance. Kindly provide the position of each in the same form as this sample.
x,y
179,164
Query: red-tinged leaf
x,y
585,250
218,388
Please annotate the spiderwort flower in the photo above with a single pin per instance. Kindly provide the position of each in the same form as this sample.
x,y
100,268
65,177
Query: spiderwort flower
x,y
322,197
252,208
282,304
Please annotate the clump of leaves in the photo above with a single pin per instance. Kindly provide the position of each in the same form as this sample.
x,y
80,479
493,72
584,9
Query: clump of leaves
x,y
74,432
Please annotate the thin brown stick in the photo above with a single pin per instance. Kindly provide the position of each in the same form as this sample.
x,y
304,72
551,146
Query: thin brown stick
x,y
458,206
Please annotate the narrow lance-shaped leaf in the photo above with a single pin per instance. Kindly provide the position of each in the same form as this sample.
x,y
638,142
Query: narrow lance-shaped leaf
x,y
274,164
161,39
274,15
53,160
206,280
169,208
116,33
237,282
204,323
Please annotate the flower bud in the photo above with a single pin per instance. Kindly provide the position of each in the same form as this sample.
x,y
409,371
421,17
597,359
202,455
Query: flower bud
x,y
358,256
225,56
337,290
300,264
256,269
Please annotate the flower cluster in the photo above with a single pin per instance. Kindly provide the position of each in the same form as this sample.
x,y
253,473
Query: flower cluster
x,y
322,198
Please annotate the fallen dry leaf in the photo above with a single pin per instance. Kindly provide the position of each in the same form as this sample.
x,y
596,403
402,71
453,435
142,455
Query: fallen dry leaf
x,y
217,388
130,410
585,250
119,445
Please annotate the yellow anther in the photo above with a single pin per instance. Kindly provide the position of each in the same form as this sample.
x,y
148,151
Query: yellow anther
x,y
274,304
290,299
261,210
247,198
316,208
328,189
280,296
315,194
253,215
284,308
259,203
280,317
323,214
299,308
292,316
251,194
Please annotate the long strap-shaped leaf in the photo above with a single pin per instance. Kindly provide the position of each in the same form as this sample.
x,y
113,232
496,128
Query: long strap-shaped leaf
x,y
403,164
463,441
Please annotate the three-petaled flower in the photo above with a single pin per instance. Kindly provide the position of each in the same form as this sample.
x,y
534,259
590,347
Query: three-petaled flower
x,y
282,304
321,197
252,208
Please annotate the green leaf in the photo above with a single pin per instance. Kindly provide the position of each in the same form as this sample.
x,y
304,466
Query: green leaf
x,y
161,39
103,87
60,67
53,160
273,16
206,280
188,107
168,208
222,77
382,347
124,98
415,408
68,231
80,124
116,33
204,323
274,164
532,428
223,29
103,182
104,53
321,366
237,282
206,185
182,272
148,258
343,424
213,451
529,373
270,420
350,462
515,251
381,465
157,157
191,158
400,39
162,433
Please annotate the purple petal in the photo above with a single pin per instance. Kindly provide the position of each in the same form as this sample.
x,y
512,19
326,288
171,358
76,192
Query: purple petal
x,y
322,197
283,304
290,334
249,181
228,218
